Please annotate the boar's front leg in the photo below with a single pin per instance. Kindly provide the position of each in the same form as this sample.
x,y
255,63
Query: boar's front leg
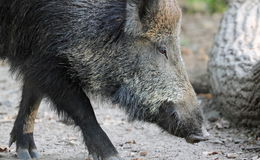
x,y
78,107
22,132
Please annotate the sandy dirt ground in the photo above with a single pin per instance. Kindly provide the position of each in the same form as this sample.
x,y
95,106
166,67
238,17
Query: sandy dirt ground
x,y
137,141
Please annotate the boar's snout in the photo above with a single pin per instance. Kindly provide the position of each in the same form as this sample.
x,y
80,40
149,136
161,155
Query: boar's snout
x,y
186,124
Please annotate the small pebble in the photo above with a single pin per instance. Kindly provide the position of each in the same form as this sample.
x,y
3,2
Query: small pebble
x,y
132,154
232,155
127,147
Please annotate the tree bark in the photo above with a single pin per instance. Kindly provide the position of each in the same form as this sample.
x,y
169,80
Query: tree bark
x,y
234,65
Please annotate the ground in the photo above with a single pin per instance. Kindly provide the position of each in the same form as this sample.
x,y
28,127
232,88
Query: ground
x,y
57,140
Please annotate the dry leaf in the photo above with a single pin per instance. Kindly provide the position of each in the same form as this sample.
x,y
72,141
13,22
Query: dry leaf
x,y
143,153
4,149
210,153
131,142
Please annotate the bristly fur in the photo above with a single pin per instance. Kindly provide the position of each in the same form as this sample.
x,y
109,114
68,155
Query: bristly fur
x,y
105,47
130,102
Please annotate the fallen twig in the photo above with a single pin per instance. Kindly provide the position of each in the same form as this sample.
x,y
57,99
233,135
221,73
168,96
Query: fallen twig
x,y
256,148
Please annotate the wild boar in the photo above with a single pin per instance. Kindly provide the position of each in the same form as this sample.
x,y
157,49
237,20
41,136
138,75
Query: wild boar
x,y
126,51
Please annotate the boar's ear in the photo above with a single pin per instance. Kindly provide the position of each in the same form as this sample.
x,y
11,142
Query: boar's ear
x,y
152,15
135,9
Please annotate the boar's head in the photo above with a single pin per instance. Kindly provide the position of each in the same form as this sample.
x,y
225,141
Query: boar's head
x,y
158,89
134,59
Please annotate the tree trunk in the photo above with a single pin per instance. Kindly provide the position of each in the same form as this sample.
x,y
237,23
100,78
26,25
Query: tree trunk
x,y
234,64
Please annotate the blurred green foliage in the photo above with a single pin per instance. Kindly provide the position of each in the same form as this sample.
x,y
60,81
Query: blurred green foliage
x,y
211,6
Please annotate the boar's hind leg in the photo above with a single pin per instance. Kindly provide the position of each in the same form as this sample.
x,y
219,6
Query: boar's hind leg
x,y
78,107
23,128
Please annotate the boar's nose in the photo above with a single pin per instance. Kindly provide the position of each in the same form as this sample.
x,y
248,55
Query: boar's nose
x,y
193,138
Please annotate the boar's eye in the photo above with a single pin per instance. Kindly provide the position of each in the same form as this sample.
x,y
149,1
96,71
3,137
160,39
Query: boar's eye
x,y
163,50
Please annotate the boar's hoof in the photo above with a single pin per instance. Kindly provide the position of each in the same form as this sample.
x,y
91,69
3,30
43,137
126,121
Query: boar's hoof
x,y
93,157
195,138
114,158
34,154
96,157
23,154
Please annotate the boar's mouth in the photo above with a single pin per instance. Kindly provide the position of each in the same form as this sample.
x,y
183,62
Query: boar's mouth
x,y
194,138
